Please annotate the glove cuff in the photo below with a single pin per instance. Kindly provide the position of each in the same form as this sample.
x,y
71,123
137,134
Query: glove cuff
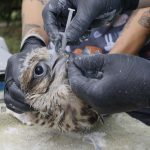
x,y
130,4
32,43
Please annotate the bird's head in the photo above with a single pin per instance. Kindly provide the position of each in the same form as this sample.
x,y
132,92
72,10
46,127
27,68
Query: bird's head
x,y
44,81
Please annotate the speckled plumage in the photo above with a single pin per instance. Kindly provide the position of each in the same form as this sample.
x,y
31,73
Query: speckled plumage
x,y
51,96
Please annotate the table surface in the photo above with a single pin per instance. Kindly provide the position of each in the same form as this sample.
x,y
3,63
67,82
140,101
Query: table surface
x,y
119,132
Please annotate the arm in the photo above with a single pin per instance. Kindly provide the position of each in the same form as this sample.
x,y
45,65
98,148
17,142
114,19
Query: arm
x,y
135,33
144,3
32,22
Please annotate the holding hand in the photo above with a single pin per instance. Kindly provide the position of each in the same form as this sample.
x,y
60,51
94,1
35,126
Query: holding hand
x,y
87,14
111,83
13,96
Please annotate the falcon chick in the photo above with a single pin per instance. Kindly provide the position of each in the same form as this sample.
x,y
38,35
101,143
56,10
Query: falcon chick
x,y
44,81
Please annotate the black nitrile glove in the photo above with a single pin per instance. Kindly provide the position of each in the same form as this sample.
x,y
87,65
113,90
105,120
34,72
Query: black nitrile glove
x,y
87,13
13,96
111,83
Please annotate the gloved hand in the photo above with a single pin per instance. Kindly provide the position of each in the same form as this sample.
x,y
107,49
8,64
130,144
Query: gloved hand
x,y
88,12
13,96
111,83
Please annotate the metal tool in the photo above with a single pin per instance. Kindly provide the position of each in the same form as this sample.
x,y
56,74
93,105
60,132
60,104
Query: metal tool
x,y
64,40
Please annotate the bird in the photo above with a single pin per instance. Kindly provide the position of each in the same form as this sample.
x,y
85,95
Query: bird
x,y
45,84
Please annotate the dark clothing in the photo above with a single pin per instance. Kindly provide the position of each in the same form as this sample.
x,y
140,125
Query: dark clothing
x,y
142,115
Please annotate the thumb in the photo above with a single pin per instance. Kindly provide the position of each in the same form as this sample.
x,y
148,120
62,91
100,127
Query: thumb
x,y
86,13
49,14
76,78
90,62
78,26
83,86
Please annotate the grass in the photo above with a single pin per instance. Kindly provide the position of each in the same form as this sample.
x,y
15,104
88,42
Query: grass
x,y
12,36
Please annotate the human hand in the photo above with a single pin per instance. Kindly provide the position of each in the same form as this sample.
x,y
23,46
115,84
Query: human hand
x,y
89,13
13,96
111,83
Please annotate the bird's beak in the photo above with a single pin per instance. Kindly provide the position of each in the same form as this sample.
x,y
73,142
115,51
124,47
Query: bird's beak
x,y
54,56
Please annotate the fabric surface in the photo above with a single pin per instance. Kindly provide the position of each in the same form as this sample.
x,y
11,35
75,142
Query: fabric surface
x,y
119,132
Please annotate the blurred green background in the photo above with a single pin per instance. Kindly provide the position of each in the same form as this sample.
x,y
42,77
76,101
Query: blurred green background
x,y
10,23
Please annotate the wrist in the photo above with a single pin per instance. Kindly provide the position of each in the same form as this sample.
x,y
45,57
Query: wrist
x,y
130,4
32,43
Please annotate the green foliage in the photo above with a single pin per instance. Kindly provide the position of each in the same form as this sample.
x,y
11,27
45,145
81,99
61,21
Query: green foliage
x,y
10,10
12,35
10,14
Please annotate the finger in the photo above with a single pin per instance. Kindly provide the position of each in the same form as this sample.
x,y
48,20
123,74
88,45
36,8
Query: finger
x,y
16,93
77,80
9,67
92,63
15,105
80,84
84,17
50,13
76,77
77,27
14,110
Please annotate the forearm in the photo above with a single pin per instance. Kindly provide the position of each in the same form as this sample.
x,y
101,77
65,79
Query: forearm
x,y
135,33
144,3
32,22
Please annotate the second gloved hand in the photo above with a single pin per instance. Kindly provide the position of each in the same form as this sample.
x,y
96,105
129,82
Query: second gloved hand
x,y
111,83
87,12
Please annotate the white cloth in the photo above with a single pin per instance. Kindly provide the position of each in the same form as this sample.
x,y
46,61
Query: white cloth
x,y
4,55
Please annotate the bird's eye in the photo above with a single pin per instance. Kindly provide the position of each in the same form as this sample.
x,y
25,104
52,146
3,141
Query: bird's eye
x,y
40,70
